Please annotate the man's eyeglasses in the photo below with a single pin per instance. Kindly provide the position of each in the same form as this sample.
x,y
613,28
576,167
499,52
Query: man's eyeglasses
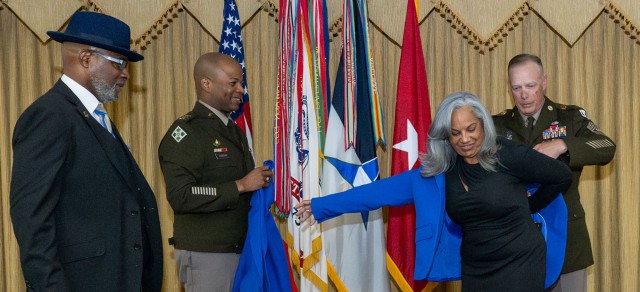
x,y
118,63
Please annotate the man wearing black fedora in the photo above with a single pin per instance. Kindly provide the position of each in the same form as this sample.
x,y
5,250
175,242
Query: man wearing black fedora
x,y
84,215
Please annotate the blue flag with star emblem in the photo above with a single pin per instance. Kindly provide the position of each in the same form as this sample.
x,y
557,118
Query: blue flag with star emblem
x,y
354,243
231,44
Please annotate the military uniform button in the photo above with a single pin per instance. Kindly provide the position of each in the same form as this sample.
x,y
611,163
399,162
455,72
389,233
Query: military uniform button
x,y
137,246
134,212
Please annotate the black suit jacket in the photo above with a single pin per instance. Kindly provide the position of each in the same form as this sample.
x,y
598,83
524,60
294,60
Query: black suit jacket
x,y
84,216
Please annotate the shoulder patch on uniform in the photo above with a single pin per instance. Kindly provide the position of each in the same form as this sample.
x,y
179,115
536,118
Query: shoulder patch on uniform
x,y
178,134
584,113
502,113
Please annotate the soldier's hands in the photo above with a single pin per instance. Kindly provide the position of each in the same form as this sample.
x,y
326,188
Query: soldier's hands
x,y
303,211
259,177
553,148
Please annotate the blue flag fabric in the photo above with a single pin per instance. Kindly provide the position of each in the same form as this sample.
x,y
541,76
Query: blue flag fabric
x,y
263,264
553,225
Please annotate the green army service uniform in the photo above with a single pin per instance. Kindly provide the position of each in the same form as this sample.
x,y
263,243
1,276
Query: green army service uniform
x,y
201,158
586,145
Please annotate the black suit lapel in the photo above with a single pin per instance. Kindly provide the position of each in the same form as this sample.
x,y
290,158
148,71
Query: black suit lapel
x,y
134,178
113,147
127,158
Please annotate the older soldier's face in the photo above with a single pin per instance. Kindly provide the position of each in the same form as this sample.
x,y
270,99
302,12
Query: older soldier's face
x,y
527,87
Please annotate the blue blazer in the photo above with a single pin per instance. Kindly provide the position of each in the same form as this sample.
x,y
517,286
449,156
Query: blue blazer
x,y
438,238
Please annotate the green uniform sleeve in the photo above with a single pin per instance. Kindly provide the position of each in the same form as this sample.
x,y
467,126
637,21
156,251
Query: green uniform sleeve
x,y
589,146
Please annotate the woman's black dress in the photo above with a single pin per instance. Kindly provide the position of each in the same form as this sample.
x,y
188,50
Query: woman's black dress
x,y
502,248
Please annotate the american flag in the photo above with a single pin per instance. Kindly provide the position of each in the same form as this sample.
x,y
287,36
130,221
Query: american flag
x,y
231,44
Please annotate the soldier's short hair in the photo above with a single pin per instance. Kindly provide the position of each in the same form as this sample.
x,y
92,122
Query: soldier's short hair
x,y
523,58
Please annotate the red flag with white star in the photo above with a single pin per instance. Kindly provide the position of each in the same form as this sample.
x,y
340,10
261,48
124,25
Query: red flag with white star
x,y
412,122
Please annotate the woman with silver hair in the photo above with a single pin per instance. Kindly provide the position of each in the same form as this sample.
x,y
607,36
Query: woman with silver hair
x,y
440,155
486,179
502,249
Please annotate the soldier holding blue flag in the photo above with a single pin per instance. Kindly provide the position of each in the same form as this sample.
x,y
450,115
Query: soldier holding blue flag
x,y
210,177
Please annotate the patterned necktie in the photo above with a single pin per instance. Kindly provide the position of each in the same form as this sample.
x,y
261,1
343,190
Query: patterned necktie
x,y
530,121
103,118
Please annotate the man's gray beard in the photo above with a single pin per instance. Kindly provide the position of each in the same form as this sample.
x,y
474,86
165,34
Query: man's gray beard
x,y
104,92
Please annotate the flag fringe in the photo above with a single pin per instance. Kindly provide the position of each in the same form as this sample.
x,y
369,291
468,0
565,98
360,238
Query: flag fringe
x,y
397,276
335,278
309,262
313,278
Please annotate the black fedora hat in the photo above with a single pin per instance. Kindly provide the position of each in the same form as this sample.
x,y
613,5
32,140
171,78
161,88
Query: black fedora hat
x,y
98,30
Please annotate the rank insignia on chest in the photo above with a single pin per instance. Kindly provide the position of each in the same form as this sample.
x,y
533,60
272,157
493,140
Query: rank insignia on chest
x,y
554,131
509,135
216,143
178,134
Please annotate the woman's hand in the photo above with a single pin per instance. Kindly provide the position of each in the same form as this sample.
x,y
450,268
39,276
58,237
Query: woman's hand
x,y
303,211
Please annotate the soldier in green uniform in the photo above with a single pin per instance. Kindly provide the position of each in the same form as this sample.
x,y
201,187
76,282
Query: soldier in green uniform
x,y
560,131
210,176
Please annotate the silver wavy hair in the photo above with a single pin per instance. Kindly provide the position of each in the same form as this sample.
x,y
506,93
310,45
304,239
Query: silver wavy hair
x,y
440,155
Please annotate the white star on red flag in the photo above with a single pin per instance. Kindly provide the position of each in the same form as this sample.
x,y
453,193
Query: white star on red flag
x,y
410,145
